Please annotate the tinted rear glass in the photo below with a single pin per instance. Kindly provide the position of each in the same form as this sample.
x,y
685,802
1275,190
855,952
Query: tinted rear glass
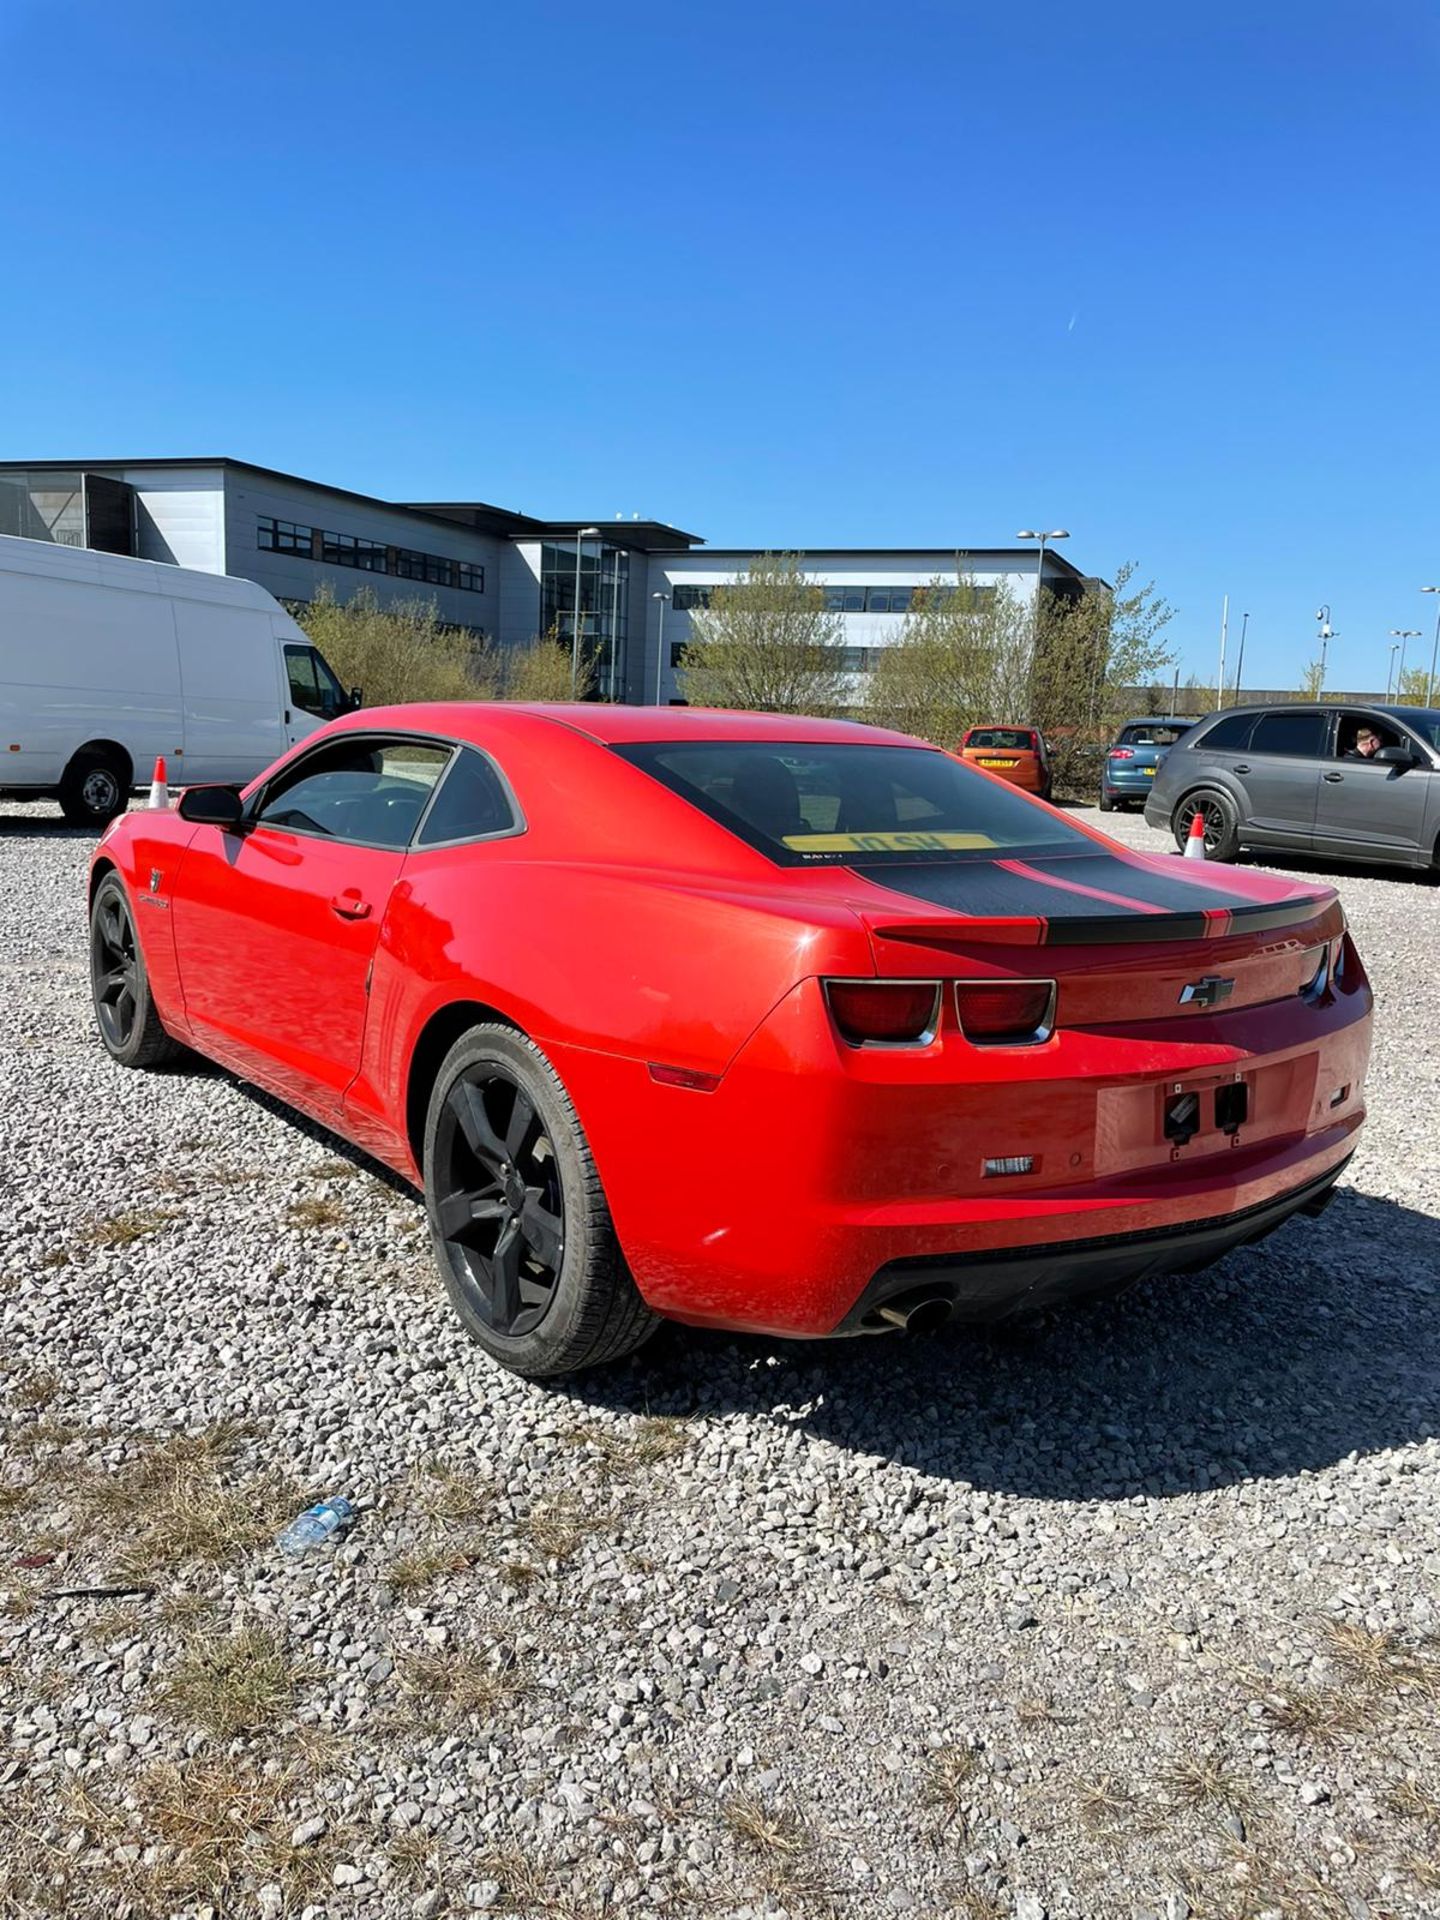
x,y
833,805
1013,739
1296,733
1232,734
1151,734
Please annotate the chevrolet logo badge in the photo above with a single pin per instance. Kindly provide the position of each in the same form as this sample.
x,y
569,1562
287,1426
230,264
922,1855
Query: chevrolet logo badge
x,y
1208,992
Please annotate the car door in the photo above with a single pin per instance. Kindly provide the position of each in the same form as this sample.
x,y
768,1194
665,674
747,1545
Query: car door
x,y
1279,772
1372,810
276,924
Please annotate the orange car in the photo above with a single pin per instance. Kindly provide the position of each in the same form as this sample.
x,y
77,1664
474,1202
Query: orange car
x,y
1016,754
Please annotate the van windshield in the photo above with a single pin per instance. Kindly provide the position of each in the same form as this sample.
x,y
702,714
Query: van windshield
x,y
829,805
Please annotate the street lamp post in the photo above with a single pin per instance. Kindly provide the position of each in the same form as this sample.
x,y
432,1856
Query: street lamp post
x,y
1029,533
1390,670
612,677
1400,635
1322,614
1239,660
582,535
1430,683
664,600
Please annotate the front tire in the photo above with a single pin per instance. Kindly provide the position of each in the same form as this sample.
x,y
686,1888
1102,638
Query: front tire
x,y
94,788
120,987
518,1219
1221,821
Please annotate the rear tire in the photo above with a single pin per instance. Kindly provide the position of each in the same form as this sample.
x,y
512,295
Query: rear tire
x,y
94,788
1107,805
130,1028
1222,822
518,1219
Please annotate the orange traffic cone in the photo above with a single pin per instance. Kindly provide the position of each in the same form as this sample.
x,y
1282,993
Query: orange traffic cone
x,y
159,791
1195,839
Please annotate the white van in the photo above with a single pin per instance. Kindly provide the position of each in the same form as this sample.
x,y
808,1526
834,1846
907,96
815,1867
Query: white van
x,y
106,663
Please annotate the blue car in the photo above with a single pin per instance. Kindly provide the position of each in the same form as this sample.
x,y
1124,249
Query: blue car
x,y
1131,763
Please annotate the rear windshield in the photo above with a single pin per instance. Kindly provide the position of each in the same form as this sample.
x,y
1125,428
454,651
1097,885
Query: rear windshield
x,y
834,805
1015,739
1151,733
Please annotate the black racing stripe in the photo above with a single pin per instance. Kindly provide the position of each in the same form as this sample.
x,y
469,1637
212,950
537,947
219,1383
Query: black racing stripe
x,y
985,891
1155,887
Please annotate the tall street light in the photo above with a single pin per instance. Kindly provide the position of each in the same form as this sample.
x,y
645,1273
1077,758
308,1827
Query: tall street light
x,y
664,600
582,535
1240,660
1029,533
1322,614
1430,683
1400,635
1390,670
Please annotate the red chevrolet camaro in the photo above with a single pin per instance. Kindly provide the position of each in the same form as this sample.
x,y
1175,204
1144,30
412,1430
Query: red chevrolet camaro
x,y
748,1021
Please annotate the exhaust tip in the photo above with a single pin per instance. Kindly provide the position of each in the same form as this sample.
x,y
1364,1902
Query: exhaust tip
x,y
916,1313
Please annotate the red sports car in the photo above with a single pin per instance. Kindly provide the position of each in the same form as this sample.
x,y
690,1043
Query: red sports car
x,y
790,1025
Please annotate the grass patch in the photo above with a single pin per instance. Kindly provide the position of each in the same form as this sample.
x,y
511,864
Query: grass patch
x,y
1202,1780
644,1443
233,1683
316,1211
335,1169
32,1392
461,1684
1107,1808
413,1572
173,1503
765,1827
557,1528
948,1778
1380,1662
445,1494
1316,1713
124,1229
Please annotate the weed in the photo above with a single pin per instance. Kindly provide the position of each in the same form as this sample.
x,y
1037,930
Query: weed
x,y
233,1683
1315,1713
413,1572
623,1450
316,1212
1205,1780
1104,1807
1379,1661
769,1829
949,1774
445,1494
335,1169
461,1684
1410,1801
33,1391
124,1229
556,1528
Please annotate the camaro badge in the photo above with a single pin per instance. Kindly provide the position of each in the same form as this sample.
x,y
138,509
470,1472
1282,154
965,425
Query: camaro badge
x,y
154,879
1208,992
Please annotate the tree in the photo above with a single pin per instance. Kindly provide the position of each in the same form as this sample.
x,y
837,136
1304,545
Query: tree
x,y
400,652
541,671
1312,681
767,643
1414,688
1086,650
962,655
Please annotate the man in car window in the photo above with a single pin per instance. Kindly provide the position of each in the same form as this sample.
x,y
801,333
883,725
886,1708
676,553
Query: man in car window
x,y
1367,744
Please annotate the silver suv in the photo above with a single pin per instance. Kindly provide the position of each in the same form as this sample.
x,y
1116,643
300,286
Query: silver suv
x,y
1344,782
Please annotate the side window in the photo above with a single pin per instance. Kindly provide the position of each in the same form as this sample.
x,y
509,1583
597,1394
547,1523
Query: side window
x,y
471,803
364,791
313,687
1358,737
1230,735
1291,733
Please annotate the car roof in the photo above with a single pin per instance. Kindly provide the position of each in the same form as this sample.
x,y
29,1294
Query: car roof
x,y
621,726
1162,720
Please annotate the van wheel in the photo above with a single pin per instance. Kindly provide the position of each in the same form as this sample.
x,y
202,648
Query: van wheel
x,y
94,788
518,1219
1219,818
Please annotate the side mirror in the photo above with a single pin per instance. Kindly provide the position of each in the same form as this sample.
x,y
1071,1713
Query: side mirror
x,y
357,698
212,807
1394,756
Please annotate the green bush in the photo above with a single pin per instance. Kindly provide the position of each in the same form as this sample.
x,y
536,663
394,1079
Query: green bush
x,y
400,652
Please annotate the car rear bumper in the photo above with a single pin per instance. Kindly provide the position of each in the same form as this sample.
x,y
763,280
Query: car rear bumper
x,y
1127,786
993,1286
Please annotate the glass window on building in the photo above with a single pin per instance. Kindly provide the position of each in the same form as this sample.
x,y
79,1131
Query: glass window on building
x,y
602,576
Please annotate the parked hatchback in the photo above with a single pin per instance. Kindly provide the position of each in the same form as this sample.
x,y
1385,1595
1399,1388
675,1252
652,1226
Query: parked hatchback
x,y
1349,782
1133,761
1016,754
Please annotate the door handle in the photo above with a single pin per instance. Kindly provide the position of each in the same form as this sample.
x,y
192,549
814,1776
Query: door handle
x,y
1333,778
350,905
1242,768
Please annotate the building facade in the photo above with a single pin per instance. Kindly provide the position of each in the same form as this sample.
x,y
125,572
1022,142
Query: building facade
x,y
507,575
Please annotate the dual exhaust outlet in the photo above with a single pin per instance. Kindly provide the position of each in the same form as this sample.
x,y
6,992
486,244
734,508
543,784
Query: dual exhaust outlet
x,y
916,1312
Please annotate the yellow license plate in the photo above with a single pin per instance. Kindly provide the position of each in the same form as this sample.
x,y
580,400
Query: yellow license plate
x,y
997,763
1149,772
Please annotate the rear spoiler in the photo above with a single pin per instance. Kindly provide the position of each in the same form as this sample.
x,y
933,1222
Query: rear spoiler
x,y
1112,929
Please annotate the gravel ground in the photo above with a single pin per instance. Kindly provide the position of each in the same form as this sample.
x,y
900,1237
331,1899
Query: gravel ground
x,y
1131,1610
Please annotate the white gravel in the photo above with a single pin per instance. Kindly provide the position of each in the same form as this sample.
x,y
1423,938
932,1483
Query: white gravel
x,y
1123,1611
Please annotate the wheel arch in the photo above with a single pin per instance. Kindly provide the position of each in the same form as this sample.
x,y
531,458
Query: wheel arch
x,y
435,1039
112,749
98,872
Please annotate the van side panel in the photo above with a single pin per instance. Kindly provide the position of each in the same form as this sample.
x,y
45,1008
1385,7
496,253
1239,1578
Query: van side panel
x,y
81,662
233,724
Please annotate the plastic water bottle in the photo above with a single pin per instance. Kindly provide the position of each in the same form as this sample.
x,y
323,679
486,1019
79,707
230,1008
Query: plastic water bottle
x,y
320,1522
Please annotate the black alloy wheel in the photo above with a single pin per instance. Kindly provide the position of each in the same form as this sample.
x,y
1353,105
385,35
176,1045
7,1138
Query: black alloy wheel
x,y
1218,821
120,987
518,1218
499,1200
115,970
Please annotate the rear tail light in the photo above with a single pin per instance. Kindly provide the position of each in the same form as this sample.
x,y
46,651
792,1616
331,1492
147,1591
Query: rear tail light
x,y
1121,753
1315,977
1006,1013
885,1013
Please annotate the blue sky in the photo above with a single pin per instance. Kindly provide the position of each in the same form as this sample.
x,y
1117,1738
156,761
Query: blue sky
x,y
786,274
